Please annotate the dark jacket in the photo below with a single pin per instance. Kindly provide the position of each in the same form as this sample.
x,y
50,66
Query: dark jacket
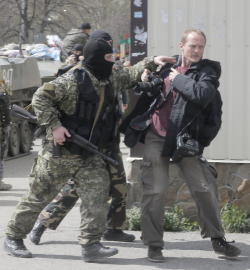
x,y
194,91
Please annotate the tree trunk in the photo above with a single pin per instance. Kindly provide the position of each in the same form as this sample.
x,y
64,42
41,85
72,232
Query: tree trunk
x,y
24,27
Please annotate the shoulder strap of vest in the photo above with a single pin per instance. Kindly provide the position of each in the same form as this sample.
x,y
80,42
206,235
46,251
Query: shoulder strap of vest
x,y
79,74
99,109
76,66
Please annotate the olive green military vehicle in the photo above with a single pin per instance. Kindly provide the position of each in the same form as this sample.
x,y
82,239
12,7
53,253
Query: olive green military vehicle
x,y
24,76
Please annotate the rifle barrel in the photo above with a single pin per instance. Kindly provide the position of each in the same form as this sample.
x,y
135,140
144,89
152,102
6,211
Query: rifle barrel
x,y
110,160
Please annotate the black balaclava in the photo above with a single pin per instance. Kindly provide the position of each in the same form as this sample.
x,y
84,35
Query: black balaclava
x,y
94,61
101,34
78,47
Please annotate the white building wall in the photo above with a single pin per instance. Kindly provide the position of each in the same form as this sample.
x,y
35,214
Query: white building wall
x,y
226,24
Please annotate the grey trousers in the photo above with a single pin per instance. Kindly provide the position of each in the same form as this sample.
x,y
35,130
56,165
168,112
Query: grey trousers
x,y
154,178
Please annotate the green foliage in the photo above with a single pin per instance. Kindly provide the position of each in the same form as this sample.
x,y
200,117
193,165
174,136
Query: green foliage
x,y
133,219
173,221
234,219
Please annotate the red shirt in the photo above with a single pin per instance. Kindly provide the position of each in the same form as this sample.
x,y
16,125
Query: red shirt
x,y
159,119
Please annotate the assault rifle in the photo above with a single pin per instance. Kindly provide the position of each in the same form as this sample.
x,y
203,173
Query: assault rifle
x,y
20,113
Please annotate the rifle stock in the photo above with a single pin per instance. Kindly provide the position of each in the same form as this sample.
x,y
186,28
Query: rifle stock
x,y
20,113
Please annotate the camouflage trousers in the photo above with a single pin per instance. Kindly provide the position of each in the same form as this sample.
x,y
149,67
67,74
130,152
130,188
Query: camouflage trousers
x,y
55,212
48,174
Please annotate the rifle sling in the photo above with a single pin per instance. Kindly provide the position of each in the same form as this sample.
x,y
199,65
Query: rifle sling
x,y
99,109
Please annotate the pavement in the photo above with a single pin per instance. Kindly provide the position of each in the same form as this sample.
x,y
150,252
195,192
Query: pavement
x,y
60,250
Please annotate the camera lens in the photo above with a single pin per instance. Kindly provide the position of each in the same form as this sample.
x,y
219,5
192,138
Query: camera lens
x,y
145,86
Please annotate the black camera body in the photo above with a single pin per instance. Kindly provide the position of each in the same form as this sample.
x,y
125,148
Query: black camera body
x,y
153,87
186,147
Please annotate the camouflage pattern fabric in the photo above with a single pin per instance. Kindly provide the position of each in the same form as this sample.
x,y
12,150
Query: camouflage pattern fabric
x,y
55,212
3,86
4,89
72,38
49,174
117,195
63,92
67,64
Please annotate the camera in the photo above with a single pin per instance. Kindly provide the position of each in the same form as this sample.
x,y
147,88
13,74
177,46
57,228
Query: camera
x,y
152,87
186,147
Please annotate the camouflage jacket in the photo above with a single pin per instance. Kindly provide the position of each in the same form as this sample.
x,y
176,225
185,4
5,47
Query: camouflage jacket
x,y
3,86
63,94
73,37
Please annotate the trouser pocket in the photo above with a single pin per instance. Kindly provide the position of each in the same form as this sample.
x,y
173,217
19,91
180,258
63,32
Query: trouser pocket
x,y
209,170
145,176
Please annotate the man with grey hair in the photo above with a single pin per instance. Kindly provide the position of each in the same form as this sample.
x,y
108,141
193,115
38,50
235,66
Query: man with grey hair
x,y
190,101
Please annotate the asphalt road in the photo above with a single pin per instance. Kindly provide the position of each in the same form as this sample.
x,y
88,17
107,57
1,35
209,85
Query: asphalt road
x,y
60,250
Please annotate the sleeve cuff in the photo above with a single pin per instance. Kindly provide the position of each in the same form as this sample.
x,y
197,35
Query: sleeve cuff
x,y
53,125
152,65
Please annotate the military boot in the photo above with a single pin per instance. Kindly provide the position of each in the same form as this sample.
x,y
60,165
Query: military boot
x,y
37,232
4,186
16,248
97,251
117,235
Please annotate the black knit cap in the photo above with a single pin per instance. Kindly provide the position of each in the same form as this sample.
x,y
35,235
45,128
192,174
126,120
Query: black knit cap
x,y
86,25
78,47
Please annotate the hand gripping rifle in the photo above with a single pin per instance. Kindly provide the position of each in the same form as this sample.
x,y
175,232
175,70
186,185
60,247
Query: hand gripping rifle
x,y
20,113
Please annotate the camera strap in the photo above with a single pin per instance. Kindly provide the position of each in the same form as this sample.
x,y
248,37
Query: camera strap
x,y
163,101
188,124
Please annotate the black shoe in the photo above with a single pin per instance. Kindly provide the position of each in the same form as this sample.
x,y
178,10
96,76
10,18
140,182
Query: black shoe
x,y
222,247
97,251
16,248
37,232
117,235
155,254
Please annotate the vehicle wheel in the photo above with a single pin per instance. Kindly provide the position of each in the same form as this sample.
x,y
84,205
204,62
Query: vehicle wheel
x,y
25,139
14,140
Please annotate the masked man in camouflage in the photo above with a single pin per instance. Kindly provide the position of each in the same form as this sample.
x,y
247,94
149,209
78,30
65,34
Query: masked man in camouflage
x,y
75,36
82,97
5,92
56,211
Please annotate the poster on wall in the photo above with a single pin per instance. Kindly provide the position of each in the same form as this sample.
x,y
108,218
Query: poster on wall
x,y
139,40
139,30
